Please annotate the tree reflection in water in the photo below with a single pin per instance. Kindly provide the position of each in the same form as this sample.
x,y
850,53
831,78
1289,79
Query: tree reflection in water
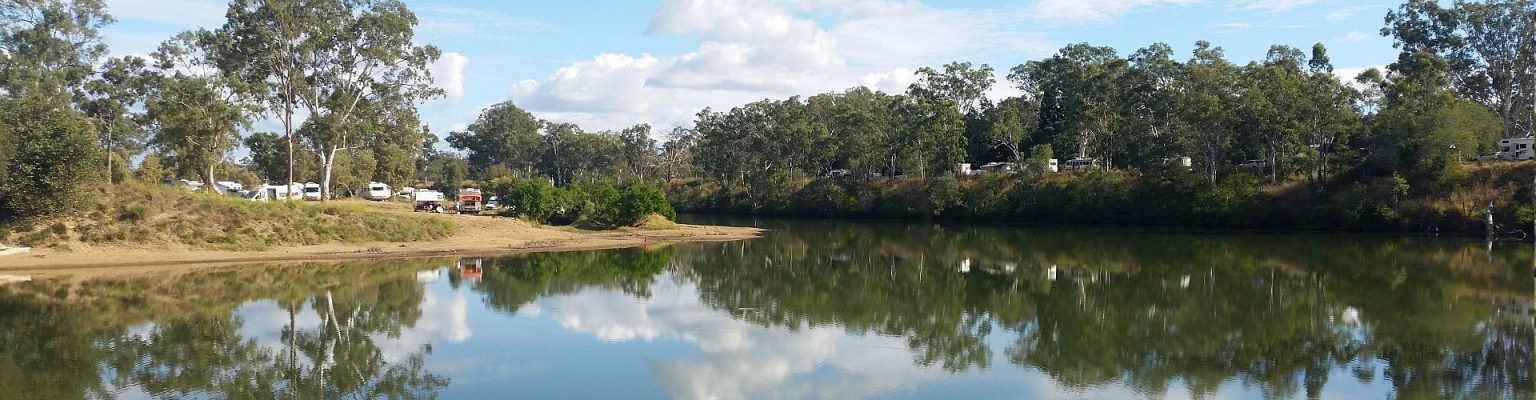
x,y
193,344
1278,313
1281,315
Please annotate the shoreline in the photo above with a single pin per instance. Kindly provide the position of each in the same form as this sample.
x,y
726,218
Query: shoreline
x,y
479,236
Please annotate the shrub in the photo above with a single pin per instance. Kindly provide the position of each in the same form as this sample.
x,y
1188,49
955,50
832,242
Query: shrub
x,y
48,158
134,213
639,201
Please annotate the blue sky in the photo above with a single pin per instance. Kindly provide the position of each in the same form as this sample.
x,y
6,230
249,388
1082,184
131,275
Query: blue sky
x,y
607,64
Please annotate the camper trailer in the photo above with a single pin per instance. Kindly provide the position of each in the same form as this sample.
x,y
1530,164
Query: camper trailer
x,y
274,192
427,200
469,201
1516,149
377,192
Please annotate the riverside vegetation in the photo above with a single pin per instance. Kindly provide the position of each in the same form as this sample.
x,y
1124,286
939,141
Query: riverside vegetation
x,y
1383,150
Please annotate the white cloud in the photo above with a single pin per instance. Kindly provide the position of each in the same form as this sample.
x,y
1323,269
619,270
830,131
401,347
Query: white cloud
x,y
1354,36
894,81
754,50
448,74
1096,10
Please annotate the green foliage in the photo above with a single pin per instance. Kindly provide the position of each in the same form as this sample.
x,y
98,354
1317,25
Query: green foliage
x,y
637,202
534,199
49,158
150,170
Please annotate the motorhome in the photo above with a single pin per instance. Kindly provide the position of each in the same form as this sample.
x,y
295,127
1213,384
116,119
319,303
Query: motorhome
x,y
312,191
1516,149
1080,164
469,201
274,192
377,192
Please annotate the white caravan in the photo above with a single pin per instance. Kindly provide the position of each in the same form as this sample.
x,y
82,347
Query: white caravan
x,y
377,191
274,192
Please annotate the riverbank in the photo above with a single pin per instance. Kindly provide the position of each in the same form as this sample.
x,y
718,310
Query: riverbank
x,y
1348,202
476,236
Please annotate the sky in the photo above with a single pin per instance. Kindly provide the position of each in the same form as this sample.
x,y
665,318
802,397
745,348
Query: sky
x,y
610,64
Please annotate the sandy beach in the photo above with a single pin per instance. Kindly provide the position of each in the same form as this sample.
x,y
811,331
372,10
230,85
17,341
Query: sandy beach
x,y
477,236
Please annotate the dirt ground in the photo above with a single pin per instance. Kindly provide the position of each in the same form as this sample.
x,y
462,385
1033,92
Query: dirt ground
x,y
477,236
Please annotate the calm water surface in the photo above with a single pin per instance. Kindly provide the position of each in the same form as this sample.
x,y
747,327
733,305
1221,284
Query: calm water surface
x,y
813,310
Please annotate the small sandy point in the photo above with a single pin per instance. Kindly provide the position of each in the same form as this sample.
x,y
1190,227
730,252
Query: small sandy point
x,y
477,236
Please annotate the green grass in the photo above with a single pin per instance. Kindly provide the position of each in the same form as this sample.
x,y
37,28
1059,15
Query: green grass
x,y
150,214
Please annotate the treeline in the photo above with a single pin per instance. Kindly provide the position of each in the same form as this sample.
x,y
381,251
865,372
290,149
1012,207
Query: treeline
x,y
342,77
1197,138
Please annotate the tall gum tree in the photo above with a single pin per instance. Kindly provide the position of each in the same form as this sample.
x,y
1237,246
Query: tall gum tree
x,y
1488,47
364,51
272,50
195,112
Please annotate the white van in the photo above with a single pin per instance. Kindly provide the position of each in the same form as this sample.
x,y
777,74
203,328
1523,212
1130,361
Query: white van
x,y
377,192
312,191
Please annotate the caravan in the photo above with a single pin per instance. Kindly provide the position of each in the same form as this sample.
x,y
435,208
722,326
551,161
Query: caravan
x,y
274,192
377,192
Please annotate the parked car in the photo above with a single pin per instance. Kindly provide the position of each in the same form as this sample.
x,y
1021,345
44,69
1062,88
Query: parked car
x,y
1259,165
492,204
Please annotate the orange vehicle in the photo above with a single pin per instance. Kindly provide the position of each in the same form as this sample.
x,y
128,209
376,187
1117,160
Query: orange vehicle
x,y
469,201
470,268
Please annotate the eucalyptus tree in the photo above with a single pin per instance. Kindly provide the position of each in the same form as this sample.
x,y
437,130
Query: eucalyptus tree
x,y
195,112
960,82
1151,106
929,135
503,135
1271,106
1329,111
364,52
1008,124
111,98
1205,92
863,131
273,50
1487,45
1083,82
676,157
50,47
636,149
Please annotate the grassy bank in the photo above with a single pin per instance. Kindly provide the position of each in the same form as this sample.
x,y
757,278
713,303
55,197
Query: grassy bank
x,y
133,214
1157,198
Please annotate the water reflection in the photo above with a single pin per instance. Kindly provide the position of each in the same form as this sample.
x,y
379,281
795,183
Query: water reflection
x,y
811,311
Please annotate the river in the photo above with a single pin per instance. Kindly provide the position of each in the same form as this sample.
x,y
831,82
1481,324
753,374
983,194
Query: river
x,y
812,310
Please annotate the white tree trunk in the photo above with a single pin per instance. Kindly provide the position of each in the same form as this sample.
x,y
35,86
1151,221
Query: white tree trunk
x,y
327,160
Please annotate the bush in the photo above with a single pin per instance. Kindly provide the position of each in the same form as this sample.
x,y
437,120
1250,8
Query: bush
x,y
134,213
637,202
532,199
48,158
